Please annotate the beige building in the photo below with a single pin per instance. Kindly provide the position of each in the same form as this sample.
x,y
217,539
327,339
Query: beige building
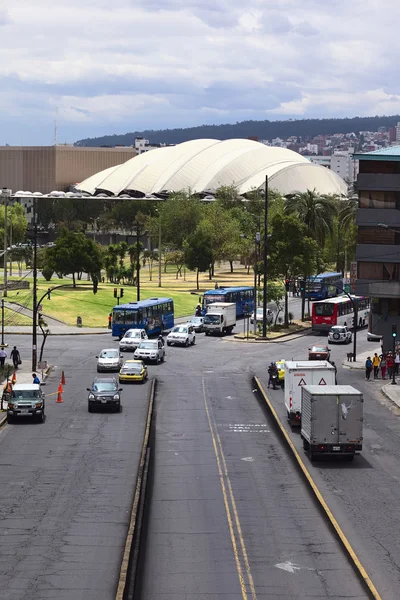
x,y
48,168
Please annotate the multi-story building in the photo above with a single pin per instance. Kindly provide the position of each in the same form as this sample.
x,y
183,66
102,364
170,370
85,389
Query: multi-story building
x,y
378,247
47,168
341,164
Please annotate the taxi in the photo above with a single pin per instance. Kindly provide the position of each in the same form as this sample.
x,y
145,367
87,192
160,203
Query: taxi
x,y
281,371
133,370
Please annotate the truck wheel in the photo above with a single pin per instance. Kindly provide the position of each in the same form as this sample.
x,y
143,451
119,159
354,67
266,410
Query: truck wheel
x,y
306,445
10,419
311,454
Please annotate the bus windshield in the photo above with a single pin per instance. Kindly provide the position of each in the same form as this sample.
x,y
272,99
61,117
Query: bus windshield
x,y
324,309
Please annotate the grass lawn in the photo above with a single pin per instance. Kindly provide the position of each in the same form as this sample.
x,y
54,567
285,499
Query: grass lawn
x,y
68,303
12,318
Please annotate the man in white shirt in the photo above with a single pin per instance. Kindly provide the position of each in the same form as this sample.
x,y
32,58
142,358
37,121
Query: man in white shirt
x,y
3,356
396,363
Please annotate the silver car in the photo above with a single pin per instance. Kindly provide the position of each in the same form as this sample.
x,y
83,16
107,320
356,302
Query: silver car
x,y
132,339
150,350
109,359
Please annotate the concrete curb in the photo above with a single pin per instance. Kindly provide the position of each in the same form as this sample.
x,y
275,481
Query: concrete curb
x,y
388,396
338,532
127,575
300,333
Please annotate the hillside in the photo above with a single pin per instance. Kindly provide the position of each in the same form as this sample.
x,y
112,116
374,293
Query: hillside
x,y
304,128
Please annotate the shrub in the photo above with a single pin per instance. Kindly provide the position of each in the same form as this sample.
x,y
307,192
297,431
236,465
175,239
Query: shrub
x,y
47,273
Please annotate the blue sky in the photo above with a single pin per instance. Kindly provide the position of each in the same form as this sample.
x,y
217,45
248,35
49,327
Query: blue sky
x,y
112,66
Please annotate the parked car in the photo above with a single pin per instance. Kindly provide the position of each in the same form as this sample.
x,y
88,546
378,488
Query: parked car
x,y
318,352
198,324
260,314
27,400
104,392
132,371
132,339
339,334
151,350
182,335
373,337
109,359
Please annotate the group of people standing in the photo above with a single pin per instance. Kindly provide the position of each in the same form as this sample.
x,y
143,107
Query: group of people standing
x,y
387,362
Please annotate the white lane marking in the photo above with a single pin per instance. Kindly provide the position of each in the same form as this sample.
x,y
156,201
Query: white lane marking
x,y
288,566
248,459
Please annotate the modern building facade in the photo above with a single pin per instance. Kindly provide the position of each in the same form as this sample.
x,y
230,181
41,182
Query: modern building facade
x,y
378,247
47,168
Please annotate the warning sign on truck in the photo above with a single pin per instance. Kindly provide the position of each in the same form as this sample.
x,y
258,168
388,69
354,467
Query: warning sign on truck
x,y
302,382
322,382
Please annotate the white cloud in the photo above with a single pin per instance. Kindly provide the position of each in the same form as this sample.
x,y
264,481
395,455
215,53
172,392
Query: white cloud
x,y
135,64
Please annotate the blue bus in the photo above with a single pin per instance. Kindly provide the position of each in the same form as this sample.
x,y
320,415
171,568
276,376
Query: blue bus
x,y
242,296
324,285
154,315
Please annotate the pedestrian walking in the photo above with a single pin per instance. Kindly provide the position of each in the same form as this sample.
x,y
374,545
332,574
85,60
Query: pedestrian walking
x,y
294,290
16,357
390,364
368,368
333,365
3,356
375,363
383,366
109,320
397,362
35,379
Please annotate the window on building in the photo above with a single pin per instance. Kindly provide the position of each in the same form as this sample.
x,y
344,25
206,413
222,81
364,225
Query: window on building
x,y
380,200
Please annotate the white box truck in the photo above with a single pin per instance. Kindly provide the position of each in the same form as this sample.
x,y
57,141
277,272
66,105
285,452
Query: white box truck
x,y
300,373
331,420
220,318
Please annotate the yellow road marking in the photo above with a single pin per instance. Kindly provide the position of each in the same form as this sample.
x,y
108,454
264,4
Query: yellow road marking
x,y
222,472
353,556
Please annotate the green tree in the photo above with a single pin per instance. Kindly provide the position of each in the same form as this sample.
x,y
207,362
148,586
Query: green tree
x,y
74,253
198,252
180,216
292,252
317,211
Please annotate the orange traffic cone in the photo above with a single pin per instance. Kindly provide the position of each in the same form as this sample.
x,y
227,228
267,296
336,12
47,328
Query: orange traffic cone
x,y
63,378
59,394
14,378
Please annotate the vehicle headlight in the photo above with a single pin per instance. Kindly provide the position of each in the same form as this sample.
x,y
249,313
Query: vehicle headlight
x,y
116,397
91,396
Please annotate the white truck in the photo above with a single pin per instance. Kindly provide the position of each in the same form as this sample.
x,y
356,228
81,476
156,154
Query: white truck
x,y
220,318
331,420
300,373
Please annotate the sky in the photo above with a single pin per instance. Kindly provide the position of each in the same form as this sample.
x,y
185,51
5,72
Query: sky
x,y
100,67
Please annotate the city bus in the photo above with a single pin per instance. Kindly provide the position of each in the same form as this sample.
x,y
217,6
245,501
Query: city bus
x,y
339,311
324,286
154,315
243,297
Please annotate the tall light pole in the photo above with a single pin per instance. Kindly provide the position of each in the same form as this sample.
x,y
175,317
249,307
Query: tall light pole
x,y
264,327
5,194
137,225
35,306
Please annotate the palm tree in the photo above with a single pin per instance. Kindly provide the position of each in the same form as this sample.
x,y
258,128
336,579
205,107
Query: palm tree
x,y
347,211
316,210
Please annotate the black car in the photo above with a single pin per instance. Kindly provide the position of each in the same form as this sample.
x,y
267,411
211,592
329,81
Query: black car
x,y
104,392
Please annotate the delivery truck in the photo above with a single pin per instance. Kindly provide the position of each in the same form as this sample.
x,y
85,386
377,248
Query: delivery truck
x,y
300,373
220,318
331,420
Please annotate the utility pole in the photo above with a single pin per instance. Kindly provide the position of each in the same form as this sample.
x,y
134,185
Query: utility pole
x,y
5,193
11,246
2,324
257,246
159,250
264,327
137,224
35,306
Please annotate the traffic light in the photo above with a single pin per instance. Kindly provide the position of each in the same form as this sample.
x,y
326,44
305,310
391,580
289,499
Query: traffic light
x,y
394,330
48,293
302,286
287,284
115,293
121,293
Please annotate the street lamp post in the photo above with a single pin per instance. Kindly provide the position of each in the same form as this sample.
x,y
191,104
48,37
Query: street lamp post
x,y
159,250
5,194
264,327
137,225
35,307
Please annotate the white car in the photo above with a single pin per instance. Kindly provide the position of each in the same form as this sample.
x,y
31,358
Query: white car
x,y
151,350
339,334
132,339
260,314
182,335
109,359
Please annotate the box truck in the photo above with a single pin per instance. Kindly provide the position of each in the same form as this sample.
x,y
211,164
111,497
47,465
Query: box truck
x,y
220,318
331,420
300,373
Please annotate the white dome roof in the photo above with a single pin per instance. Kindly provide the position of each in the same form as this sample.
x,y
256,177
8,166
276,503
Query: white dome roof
x,y
207,164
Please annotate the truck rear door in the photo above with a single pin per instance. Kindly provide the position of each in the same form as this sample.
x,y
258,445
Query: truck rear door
x,y
325,426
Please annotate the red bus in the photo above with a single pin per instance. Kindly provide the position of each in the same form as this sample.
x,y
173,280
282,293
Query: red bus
x,y
339,311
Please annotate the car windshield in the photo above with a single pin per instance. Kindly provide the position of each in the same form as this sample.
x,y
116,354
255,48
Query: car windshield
x,y
148,345
132,368
180,329
196,320
104,386
109,354
25,394
133,333
319,349
212,319
260,312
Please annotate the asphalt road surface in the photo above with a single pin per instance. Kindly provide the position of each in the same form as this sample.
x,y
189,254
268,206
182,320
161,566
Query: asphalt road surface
x,y
66,486
229,516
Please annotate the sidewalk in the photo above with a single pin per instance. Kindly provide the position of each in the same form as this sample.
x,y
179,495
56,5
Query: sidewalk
x,y
361,358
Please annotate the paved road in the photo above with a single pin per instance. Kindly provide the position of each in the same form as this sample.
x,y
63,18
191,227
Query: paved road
x,y
66,487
